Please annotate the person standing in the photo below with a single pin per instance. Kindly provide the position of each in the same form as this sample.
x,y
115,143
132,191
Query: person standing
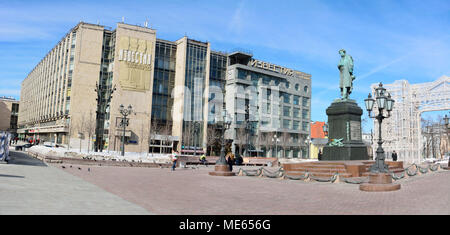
x,y
319,155
174,159
230,162
394,156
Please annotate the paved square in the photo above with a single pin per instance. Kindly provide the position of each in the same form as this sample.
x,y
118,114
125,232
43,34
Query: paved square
x,y
193,191
34,188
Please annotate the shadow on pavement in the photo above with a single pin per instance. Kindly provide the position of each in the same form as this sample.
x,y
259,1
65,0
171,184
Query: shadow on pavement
x,y
12,176
22,158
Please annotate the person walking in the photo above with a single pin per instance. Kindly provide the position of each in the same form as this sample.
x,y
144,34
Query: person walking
x,y
394,156
319,155
174,159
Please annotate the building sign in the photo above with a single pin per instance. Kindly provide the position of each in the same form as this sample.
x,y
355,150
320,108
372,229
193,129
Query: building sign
x,y
135,63
275,68
135,57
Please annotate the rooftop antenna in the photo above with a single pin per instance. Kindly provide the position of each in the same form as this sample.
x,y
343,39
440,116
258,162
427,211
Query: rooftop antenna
x,y
98,22
146,23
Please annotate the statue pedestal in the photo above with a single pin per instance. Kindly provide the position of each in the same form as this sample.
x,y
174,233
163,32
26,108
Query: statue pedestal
x,y
344,122
222,170
379,182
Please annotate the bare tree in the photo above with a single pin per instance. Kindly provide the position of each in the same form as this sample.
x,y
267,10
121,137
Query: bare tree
x,y
80,127
285,142
165,131
241,138
154,130
212,137
266,140
90,128
145,132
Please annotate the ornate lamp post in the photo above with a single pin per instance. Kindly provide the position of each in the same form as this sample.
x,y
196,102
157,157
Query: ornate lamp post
x,y
384,103
124,123
221,167
379,177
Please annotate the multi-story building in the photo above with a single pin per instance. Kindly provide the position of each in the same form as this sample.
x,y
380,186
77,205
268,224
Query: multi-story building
x,y
176,89
9,111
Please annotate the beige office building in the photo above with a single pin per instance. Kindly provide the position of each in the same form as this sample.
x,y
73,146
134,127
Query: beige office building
x,y
9,111
73,95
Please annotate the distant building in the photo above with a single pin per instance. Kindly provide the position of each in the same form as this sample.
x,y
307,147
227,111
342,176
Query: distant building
x,y
9,111
318,139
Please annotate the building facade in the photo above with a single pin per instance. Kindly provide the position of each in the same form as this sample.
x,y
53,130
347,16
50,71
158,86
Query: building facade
x,y
177,90
9,111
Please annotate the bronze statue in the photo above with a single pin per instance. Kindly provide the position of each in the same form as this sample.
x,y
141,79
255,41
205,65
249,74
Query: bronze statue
x,y
345,67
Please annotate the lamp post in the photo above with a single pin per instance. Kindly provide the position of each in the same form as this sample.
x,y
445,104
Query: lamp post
x,y
384,103
447,125
308,145
379,177
325,129
124,123
275,139
196,130
221,168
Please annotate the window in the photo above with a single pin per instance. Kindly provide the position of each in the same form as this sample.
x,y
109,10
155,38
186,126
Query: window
x,y
286,98
305,88
296,112
305,126
296,125
242,74
296,87
296,100
305,101
268,108
305,114
287,111
286,123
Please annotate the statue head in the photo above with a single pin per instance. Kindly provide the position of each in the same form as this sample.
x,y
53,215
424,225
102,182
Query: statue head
x,y
342,52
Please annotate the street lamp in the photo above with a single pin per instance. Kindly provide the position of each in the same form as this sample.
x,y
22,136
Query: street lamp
x,y
384,103
447,125
380,178
226,122
196,130
221,168
275,139
124,123
325,129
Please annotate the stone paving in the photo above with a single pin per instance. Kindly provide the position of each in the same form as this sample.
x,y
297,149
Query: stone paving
x,y
28,186
37,189
193,191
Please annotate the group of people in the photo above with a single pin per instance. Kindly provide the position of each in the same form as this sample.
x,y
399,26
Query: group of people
x,y
231,160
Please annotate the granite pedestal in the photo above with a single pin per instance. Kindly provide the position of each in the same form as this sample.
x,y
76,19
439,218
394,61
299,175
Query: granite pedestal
x,y
344,122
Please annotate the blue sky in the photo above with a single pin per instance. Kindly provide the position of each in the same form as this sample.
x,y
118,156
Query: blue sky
x,y
388,40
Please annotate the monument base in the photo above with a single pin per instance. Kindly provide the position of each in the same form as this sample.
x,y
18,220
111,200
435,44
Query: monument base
x,y
222,170
344,122
348,152
379,182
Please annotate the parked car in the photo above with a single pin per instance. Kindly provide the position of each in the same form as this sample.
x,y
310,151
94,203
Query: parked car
x,y
22,147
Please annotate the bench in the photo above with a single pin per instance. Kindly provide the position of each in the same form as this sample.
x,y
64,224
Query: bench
x,y
191,160
259,161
